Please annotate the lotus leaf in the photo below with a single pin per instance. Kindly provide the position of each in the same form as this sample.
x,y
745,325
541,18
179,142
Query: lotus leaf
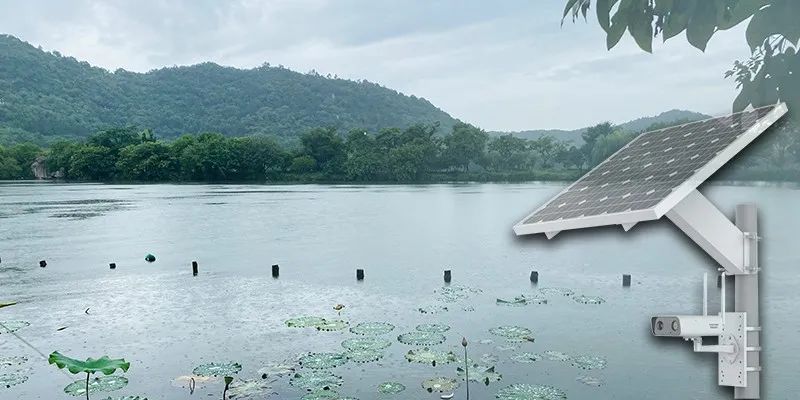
x,y
432,309
526,357
363,355
419,338
438,328
103,364
522,391
590,381
315,380
276,369
12,379
440,384
185,380
367,343
556,291
320,395
556,356
516,301
98,384
126,398
372,328
12,361
433,357
455,293
391,387
485,341
487,358
322,360
480,373
589,362
12,326
506,347
330,325
513,333
250,389
304,321
218,369
583,299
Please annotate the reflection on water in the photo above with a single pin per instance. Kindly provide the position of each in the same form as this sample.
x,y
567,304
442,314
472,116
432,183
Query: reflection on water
x,y
578,333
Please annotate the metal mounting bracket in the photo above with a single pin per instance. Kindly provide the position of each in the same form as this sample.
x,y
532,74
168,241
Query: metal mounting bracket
x,y
733,365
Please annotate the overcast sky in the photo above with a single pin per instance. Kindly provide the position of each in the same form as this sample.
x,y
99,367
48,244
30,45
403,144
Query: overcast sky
x,y
503,65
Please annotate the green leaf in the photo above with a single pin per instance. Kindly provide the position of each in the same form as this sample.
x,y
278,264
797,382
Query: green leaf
x,y
604,13
619,22
641,29
743,98
730,14
702,24
103,364
675,22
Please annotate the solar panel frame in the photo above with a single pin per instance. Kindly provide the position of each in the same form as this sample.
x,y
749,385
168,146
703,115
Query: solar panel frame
x,y
677,192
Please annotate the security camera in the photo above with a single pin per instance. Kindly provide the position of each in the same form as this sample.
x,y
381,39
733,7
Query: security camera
x,y
687,326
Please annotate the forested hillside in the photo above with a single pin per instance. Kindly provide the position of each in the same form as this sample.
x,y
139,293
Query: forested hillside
x,y
46,95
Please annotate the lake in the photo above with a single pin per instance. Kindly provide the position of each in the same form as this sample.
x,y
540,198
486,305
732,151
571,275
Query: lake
x,y
166,322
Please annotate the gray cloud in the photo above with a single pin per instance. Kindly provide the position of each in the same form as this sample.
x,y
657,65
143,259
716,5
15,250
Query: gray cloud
x,y
501,65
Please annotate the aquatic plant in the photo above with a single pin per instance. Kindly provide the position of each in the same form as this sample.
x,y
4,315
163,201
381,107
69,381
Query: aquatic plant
x,y
516,301
228,380
251,389
276,369
454,293
555,356
217,369
103,364
438,328
321,395
108,383
590,381
583,299
372,328
190,381
547,291
419,338
440,384
589,362
126,398
12,379
12,361
315,380
507,347
322,360
391,388
305,321
433,357
12,326
432,309
366,343
522,391
330,325
526,357
487,358
513,333
362,356
479,373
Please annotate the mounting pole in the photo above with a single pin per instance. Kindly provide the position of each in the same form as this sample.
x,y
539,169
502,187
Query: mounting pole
x,y
746,300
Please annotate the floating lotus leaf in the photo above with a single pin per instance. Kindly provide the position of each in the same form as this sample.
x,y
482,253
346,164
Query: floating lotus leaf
x,y
363,355
556,356
583,299
126,398
315,380
513,333
12,361
322,360
12,326
419,338
305,321
12,379
485,341
276,369
330,325
391,387
108,383
516,301
480,373
320,395
366,343
433,357
432,309
455,293
103,364
372,328
526,357
185,380
506,347
250,389
590,381
438,328
589,362
218,369
440,384
490,359
522,391
556,291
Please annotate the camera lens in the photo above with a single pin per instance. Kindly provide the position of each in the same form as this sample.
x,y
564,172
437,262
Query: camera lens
x,y
675,325
660,325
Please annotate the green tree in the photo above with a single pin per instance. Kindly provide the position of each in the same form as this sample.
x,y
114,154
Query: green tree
x,y
208,158
25,154
257,157
59,156
465,145
590,137
326,148
91,163
303,164
116,139
508,152
9,168
548,149
364,161
608,144
146,162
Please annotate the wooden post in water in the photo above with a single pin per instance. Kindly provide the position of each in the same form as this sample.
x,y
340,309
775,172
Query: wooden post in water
x,y
112,265
275,270
194,268
447,276
359,274
626,280
43,263
534,277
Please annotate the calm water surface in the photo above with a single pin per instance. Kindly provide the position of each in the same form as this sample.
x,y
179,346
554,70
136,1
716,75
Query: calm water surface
x,y
166,322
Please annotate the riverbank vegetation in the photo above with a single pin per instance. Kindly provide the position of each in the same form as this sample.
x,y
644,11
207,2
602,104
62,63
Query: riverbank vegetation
x,y
419,153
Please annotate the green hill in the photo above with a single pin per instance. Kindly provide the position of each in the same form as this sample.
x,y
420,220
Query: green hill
x,y
46,95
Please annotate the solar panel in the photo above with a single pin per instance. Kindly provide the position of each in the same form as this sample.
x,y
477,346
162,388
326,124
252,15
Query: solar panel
x,y
650,174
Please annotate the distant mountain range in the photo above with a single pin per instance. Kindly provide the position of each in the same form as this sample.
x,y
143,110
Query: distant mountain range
x,y
45,96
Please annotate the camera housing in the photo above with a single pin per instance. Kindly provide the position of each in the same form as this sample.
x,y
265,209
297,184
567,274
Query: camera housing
x,y
687,326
